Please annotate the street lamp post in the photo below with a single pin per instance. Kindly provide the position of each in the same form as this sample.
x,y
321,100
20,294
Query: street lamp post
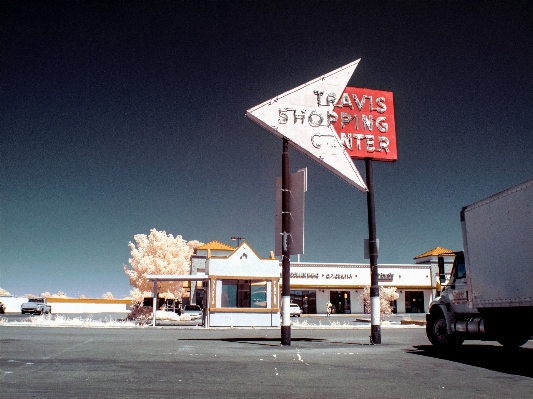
x,y
238,239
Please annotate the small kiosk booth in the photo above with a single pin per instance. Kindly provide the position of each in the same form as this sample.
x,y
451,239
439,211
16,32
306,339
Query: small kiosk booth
x,y
241,289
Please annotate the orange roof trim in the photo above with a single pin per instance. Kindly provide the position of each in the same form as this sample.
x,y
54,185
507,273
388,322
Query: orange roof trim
x,y
435,252
216,245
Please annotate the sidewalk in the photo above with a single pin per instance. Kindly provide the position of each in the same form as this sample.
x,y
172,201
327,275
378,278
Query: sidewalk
x,y
397,318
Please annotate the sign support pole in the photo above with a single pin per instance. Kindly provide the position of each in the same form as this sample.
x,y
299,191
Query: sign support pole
x,y
154,304
286,247
375,321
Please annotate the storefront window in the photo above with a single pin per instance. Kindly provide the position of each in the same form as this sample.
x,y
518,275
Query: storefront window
x,y
306,299
244,294
414,302
340,301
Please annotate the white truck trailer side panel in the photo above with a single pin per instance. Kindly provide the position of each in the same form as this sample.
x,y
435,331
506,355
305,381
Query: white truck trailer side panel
x,y
498,244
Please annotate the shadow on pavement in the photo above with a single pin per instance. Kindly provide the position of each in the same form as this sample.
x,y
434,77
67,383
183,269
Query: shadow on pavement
x,y
496,358
275,341
270,341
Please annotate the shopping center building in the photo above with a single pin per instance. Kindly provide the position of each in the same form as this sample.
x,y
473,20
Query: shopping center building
x,y
342,284
313,285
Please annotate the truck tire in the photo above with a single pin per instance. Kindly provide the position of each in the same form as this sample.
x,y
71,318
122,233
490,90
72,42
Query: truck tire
x,y
437,332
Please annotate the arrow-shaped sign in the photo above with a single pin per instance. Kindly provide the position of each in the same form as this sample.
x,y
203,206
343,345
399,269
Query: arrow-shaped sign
x,y
305,116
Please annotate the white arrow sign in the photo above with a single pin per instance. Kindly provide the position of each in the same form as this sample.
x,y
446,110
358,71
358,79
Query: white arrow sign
x,y
305,116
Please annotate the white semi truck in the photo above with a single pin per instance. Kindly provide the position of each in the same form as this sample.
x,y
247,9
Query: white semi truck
x,y
489,295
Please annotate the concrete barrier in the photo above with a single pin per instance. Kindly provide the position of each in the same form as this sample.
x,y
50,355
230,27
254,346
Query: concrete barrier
x,y
414,322
12,303
73,305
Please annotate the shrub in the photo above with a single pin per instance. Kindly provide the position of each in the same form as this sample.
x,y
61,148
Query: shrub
x,y
141,314
386,296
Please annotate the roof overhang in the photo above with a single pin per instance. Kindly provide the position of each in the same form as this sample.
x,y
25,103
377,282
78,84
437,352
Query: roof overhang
x,y
177,277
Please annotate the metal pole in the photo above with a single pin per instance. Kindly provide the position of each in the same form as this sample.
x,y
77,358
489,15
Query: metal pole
x,y
205,302
375,321
154,308
286,246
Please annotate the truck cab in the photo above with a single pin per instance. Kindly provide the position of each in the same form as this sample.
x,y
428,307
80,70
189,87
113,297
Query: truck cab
x,y
456,292
453,300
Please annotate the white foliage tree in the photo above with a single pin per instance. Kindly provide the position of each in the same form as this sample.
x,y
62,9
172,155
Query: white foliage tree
x,y
107,295
386,296
4,292
158,253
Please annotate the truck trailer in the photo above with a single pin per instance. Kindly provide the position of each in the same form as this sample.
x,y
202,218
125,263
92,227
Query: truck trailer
x,y
489,295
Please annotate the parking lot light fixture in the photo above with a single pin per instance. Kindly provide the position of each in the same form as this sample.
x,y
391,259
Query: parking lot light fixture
x,y
238,239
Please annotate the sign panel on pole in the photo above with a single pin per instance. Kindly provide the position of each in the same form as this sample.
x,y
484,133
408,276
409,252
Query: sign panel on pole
x,y
364,122
305,117
298,188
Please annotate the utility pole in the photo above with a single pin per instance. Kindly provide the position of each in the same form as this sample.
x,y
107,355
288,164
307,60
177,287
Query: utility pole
x,y
375,321
286,246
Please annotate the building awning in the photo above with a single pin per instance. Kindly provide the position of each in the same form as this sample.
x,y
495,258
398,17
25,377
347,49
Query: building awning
x,y
177,277
436,252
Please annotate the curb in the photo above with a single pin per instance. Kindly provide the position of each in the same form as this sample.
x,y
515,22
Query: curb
x,y
415,322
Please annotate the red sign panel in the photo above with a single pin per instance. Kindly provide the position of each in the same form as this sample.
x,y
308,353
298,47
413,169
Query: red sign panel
x,y
364,122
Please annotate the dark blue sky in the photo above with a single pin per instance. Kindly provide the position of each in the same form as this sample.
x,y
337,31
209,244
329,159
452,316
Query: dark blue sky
x,y
116,119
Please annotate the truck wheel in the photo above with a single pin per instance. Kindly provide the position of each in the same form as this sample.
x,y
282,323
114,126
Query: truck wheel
x,y
437,332
514,341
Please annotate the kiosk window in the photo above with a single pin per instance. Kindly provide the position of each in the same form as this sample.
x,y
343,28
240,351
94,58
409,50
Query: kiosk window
x,y
259,294
244,294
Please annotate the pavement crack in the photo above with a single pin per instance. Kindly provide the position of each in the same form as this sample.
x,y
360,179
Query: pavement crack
x,y
67,349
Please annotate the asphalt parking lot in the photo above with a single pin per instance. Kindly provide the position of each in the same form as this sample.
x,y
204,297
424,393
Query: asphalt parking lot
x,y
74,362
